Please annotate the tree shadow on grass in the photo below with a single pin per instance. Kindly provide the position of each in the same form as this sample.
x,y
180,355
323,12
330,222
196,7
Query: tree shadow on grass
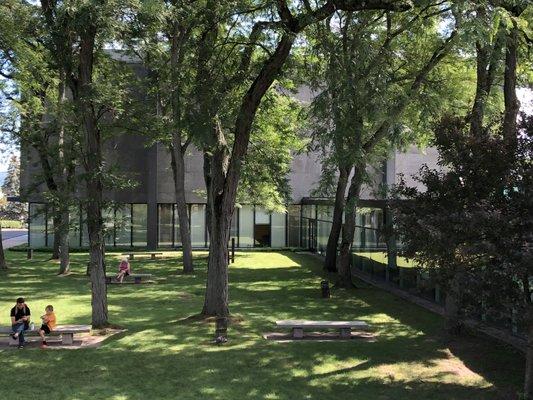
x,y
160,358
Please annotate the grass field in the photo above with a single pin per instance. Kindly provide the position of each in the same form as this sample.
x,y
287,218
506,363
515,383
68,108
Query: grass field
x,y
164,356
381,257
8,223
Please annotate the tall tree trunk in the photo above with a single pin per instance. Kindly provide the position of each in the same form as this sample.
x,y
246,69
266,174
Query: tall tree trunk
x,y
528,382
220,211
178,149
56,220
178,172
509,91
96,251
344,273
64,186
64,247
334,234
216,301
93,167
3,264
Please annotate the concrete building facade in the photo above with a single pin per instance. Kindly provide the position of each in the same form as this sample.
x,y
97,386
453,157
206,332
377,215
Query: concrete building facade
x,y
145,216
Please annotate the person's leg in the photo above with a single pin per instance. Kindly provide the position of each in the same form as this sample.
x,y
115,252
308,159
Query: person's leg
x,y
21,337
17,329
42,332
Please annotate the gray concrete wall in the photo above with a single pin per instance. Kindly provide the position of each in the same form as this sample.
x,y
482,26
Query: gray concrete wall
x,y
130,154
408,163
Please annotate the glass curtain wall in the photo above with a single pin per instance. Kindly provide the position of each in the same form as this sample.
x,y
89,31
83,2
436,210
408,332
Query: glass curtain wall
x,y
109,226
123,225
262,234
293,230
119,230
139,223
164,224
324,218
246,226
278,230
37,225
197,222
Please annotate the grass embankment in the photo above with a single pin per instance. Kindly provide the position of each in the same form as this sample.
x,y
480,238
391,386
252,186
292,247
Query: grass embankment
x,y
11,224
381,258
161,356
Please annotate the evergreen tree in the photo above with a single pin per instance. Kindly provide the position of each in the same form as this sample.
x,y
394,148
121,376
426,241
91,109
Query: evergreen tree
x,y
13,210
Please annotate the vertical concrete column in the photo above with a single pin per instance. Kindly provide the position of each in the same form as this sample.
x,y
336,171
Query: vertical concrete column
x,y
152,198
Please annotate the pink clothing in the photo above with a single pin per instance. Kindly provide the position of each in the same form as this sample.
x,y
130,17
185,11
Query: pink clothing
x,y
124,266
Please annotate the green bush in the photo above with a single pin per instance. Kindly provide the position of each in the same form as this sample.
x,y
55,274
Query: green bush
x,y
14,224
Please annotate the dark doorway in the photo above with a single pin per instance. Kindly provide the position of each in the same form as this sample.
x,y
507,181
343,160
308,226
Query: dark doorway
x,y
262,235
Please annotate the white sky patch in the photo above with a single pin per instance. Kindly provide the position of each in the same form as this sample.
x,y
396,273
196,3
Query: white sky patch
x,y
525,96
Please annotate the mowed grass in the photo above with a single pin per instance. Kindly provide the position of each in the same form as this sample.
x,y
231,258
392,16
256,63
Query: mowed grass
x,y
165,356
381,257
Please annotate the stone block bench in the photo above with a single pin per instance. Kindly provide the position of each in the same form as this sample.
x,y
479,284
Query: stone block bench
x,y
344,327
66,332
152,254
132,278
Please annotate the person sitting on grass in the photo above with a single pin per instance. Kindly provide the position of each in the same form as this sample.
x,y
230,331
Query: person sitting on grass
x,y
124,269
20,320
49,324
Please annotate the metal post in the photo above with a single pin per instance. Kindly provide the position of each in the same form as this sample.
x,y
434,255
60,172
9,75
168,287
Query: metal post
x,y
30,253
232,250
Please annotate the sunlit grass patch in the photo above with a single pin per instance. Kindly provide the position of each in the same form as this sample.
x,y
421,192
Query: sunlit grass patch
x,y
167,351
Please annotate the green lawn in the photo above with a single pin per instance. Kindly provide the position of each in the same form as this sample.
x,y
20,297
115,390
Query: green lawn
x,y
381,257
163,357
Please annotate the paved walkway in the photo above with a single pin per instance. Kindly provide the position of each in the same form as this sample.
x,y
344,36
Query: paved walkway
x,y
14,237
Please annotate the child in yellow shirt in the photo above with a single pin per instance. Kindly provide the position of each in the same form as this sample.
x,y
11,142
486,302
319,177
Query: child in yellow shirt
x,y
49,324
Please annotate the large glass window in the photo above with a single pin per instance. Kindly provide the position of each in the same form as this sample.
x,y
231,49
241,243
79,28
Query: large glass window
x,y
308,211
246,226
37,225
165,225
109,226
123,225
198,225
359,233
50,230
294,226
262,228
139,213
278,230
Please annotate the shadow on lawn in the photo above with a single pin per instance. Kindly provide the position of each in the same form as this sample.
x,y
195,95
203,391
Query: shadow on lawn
x,y
164,359
200,372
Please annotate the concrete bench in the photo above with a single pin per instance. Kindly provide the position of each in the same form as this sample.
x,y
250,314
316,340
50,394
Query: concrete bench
x,y
152,254
65,331
298,326
136,278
